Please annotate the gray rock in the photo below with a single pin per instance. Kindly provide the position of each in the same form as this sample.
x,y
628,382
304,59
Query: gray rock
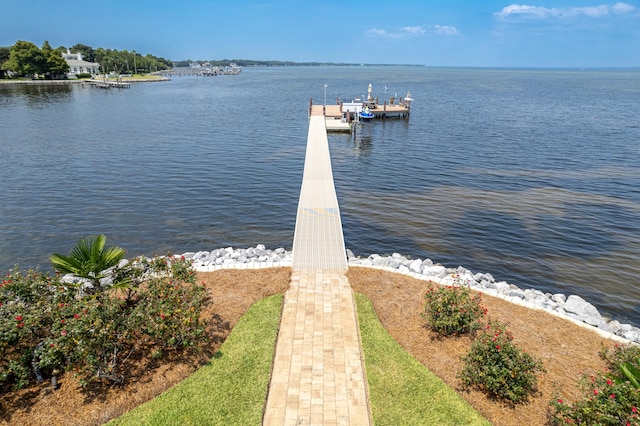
x,y
502,287
614,327
489,278
604,326
584,310
517,293
435,270
460,270
488,284
416,266
572,315
561,311
633,335
546,304
559,298
379,260
534,295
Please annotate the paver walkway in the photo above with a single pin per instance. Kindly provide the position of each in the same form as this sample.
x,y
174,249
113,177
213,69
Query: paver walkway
x,y
318,375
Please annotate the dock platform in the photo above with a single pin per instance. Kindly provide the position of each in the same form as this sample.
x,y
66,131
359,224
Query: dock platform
x,y
101,84
380,111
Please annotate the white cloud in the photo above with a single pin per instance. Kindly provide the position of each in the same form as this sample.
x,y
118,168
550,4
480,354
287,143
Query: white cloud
x,y
523,10
621,8
539,12
413,31
377,32
403,32
445,30
417,30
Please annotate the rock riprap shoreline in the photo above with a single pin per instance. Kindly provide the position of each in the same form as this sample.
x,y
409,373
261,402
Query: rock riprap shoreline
x,y
572,307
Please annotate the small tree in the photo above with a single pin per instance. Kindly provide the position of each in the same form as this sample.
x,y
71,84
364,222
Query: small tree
x,y
88,259
25,59
54,63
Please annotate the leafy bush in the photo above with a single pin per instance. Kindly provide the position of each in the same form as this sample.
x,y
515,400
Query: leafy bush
x,y
167,313
453,310
151,306
494,364
609,399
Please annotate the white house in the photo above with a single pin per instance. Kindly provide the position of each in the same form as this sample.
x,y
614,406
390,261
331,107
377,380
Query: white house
x,y
79,66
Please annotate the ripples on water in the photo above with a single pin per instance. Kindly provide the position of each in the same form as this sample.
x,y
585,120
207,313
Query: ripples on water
x,y
532,176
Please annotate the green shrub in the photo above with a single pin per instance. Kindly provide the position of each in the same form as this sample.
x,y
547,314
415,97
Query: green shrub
x,y
168,313
495,365
611,398
453,310
152,307
25,320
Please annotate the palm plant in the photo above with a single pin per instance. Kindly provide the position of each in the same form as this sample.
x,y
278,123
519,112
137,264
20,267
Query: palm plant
x,y
88,259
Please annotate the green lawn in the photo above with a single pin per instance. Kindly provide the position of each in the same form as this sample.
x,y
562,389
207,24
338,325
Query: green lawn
x,y
401,390
231,389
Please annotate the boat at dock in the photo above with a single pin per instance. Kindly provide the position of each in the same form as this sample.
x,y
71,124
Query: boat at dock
x,y
366,114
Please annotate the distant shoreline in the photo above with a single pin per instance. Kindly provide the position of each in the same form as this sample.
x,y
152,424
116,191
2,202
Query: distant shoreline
x,y
60,82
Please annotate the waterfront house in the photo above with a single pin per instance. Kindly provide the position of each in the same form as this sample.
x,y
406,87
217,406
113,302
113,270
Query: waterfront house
x,y
77,65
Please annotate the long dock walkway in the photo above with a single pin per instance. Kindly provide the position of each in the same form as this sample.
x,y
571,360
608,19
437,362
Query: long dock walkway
x,y
318,375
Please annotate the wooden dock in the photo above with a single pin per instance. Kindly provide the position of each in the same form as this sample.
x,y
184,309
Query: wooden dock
x,y
340,116
380,111
101,84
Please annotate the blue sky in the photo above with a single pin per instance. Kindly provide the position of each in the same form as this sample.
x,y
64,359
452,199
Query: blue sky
x,y
538,33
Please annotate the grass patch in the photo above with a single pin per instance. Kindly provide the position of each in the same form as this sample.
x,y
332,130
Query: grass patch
x,y
232,388
401,390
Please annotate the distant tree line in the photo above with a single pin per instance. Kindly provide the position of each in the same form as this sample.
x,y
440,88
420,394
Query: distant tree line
x,y
25,59
255,63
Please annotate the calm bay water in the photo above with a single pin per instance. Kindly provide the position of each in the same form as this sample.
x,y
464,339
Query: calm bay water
x,y
533,176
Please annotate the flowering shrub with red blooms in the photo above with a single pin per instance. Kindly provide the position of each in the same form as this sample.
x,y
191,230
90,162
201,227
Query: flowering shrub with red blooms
x,y
495,365
46,325
23,321
609,399
453,310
